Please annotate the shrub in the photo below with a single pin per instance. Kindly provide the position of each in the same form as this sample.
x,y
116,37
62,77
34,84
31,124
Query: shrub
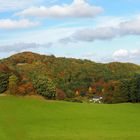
x,y
13,84
3,82
70,94
44,86
25,89
60,94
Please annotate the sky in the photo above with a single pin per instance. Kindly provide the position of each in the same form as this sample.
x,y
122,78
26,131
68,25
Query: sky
x,y
98,30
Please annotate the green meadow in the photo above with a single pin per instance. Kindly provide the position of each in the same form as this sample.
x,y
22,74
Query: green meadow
x,y
34,119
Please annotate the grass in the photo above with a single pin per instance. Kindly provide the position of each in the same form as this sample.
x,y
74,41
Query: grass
x,y
32,119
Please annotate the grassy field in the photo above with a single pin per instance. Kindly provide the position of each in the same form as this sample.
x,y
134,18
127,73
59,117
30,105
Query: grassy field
x,y
33,119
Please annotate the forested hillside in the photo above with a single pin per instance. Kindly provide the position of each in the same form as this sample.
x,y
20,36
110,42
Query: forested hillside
x,y
71,79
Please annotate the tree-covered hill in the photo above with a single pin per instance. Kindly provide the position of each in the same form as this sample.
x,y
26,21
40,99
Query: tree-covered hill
x,y
66,78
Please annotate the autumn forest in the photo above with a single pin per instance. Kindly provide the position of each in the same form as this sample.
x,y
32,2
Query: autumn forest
x,y
69,79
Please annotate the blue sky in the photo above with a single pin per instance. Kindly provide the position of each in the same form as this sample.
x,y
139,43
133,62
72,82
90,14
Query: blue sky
x,y
99,30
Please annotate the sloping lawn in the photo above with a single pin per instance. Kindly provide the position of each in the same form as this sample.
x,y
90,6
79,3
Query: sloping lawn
x,y
33,119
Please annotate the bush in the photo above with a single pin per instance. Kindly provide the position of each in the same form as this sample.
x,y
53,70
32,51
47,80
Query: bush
x,y
70,94
25,89
44,86
3,82
60,94
13,84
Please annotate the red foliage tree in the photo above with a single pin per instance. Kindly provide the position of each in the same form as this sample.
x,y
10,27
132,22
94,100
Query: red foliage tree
x,y
60,94
25,89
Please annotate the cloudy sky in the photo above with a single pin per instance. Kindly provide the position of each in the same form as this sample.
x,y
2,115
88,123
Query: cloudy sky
x,y
99,30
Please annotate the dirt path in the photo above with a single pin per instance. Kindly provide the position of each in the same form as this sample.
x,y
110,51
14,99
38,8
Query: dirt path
x,y
1,95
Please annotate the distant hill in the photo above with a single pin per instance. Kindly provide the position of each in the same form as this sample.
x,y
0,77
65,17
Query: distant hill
x,y
109,71
66,75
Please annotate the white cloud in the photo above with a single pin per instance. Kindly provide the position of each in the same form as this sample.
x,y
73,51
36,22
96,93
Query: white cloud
x,y
18,47
110,21
8,50
8,5
125,55
95,34
131,27
16,24
79,8
124,28
121,53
